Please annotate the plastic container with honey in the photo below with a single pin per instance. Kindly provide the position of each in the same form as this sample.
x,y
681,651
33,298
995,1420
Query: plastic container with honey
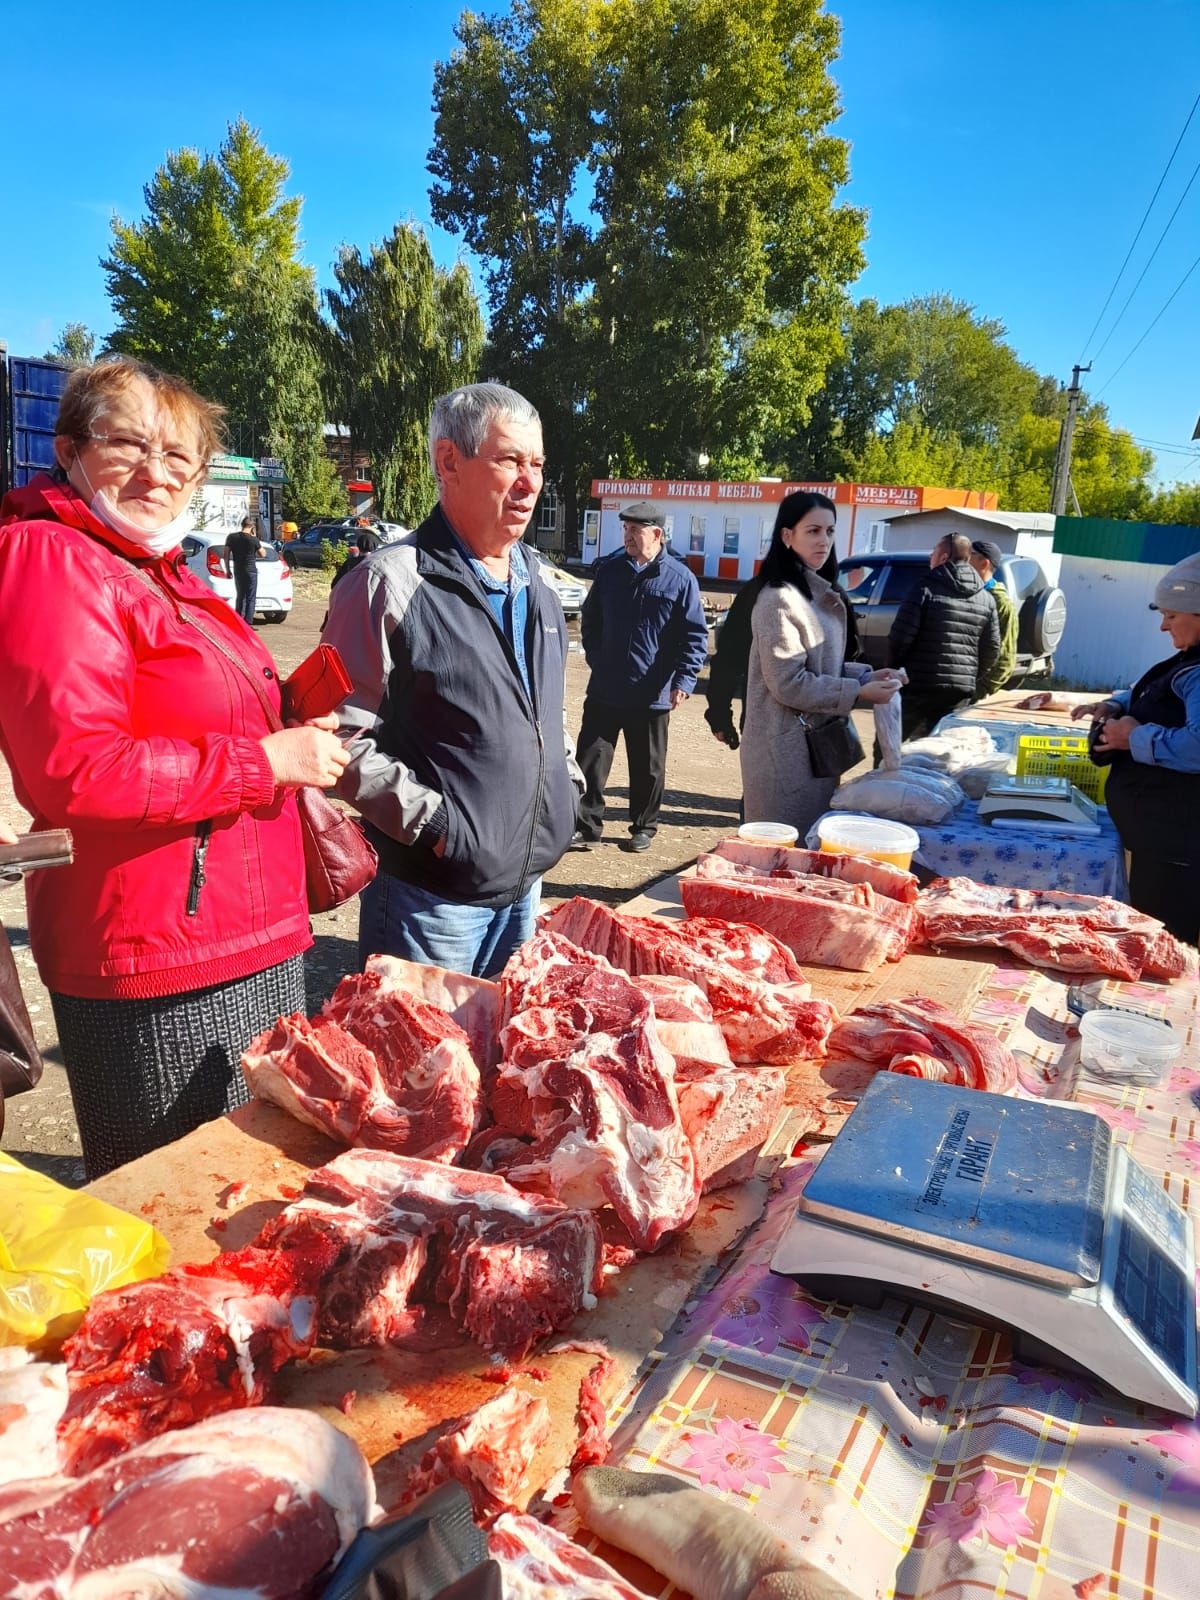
x,y
856,835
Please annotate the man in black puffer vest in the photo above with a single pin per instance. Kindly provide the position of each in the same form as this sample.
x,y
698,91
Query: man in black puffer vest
x,y
945,635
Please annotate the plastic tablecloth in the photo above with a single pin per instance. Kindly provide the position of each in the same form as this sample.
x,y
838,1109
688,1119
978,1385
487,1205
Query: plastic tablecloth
x,y
1024,858
908,1452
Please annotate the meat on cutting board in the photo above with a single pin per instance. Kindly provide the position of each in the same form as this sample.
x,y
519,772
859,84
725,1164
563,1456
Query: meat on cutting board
x,y
161,1354
490,1453
1050,928
510,1267
379,1067
474,1003
752,982
924,1039
249,1506
32,1397
585,1077
883,877
539,1563
823,921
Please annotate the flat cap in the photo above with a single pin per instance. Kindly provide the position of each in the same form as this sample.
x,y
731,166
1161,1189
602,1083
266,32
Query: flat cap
x,y
989,551
1180,589
643,511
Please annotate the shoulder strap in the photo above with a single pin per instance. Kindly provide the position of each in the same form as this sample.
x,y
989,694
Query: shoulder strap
x,y
231,655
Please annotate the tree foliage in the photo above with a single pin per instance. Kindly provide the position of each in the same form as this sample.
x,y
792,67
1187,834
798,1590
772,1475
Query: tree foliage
x,y
1180,503
76,344
653,187
208,285
403,332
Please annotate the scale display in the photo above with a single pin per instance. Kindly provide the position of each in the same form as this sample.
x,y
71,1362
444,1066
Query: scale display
x,y
1017,1211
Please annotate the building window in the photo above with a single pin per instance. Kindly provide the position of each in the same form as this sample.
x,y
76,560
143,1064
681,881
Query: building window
x,y
733,526
766,528
547,514
696,536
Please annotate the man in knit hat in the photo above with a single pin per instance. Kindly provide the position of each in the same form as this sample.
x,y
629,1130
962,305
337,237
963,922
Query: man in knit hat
x,y
1149,736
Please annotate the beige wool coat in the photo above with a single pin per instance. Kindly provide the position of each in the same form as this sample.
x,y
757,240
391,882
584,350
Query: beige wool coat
x,y
797,664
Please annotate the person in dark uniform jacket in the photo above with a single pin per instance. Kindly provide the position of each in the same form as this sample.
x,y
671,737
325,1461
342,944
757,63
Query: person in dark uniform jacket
x,y
242,551
645,638
1150,740
946,635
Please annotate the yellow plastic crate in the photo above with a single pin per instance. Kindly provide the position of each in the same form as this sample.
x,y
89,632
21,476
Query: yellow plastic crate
x,y
1061,755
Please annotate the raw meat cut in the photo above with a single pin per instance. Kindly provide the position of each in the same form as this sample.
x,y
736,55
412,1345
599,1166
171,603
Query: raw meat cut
x,y
539,1563
585,1077
169,1351
250,1506
685,1022
510,1267
474,1003
591,1414
379,1067
727,1115
882,876
490,1452
1051,928
924,1039
823,921
752,982
32,1397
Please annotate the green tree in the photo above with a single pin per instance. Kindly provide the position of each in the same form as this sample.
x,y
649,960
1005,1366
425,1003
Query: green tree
x,y
208,284
1178,504
1108,469
76,344
403,332
654,191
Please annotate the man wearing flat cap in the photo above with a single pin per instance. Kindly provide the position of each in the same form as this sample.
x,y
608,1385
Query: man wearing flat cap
x,y
645,640
985,557
1149,737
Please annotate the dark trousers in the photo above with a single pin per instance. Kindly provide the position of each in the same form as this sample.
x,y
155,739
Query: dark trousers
x,y
245,586
919,712
1168,890
646,750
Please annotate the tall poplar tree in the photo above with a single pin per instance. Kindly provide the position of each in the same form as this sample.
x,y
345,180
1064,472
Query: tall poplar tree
x,y
402,332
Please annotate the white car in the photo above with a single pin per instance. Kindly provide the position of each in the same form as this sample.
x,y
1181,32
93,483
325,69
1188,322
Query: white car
x,y
204,554
571,591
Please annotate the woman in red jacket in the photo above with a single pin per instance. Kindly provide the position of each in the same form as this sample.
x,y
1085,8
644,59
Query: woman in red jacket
x,y
133,713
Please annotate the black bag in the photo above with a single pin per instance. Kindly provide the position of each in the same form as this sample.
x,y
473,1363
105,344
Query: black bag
x,y
833,746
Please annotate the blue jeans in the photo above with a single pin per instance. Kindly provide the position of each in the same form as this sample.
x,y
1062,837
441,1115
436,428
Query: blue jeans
x,y
245,588
398,919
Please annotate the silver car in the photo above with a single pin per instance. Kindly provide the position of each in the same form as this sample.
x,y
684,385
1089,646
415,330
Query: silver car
x,y
571,591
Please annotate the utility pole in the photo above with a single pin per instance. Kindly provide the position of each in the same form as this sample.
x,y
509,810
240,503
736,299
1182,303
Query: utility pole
x,y
1062,460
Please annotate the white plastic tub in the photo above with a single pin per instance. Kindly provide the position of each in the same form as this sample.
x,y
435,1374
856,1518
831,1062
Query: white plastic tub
x,y
1123,1047
781,833
857,835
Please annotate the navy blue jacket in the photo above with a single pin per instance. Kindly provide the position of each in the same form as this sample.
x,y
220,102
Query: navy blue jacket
x,y
439,716
643,633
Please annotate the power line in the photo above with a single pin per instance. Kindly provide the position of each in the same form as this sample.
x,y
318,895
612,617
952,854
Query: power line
x,y
1146,268
1140,226
1145,336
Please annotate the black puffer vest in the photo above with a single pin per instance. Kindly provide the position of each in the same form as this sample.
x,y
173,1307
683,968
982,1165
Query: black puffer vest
x,y
1155,809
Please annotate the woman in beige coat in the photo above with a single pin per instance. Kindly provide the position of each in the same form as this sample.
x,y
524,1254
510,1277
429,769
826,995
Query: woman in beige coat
x,y
798,679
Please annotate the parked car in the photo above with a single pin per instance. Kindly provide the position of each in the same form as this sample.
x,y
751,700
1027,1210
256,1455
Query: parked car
x,y
571,591
204,554
877,584
305,549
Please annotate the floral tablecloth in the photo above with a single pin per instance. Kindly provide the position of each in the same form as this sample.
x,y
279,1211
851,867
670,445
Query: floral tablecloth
x,y
1024,858
909,1452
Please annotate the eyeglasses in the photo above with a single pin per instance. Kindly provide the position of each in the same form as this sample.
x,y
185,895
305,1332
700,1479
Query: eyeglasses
x,y
129,451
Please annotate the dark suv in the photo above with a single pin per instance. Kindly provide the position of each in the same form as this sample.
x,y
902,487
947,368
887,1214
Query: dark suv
x,y
305,549
877,583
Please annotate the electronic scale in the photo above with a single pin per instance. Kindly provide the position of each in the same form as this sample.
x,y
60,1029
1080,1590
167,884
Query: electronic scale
x,y
1022,1212
1034,801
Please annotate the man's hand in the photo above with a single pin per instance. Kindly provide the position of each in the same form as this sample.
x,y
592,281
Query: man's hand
x,y
1116,733
678,696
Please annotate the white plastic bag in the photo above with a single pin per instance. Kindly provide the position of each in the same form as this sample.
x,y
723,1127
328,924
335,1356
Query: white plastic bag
x,y
888,732
900,796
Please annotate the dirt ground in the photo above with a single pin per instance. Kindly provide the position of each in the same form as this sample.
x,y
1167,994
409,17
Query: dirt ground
x,y
701,805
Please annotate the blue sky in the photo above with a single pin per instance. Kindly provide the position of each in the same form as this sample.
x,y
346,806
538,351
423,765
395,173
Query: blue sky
x,y
1005,150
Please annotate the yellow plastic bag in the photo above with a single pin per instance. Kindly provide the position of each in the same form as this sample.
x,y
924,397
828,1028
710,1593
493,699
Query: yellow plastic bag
x,y
58,1248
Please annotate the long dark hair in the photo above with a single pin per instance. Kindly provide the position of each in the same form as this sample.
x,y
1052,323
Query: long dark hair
x,y
782,565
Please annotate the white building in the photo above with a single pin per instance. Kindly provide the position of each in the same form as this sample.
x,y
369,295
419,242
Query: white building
x,y
723,529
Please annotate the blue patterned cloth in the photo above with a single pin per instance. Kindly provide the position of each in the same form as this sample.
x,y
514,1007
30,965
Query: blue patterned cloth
x,y
1024,858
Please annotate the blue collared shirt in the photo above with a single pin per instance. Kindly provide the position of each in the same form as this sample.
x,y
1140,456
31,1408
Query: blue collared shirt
x,y
1177,749
508,600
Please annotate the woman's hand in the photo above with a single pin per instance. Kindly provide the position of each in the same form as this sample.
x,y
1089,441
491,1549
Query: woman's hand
x,y
896,675
1096,708
312,754
1116,732
877,691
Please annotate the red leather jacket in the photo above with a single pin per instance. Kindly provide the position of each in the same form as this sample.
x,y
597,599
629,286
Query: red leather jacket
x,y
123,723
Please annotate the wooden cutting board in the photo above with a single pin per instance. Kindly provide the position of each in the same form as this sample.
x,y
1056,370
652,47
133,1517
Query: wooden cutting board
x,y
401,1400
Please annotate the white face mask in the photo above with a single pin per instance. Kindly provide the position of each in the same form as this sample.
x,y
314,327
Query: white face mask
x,y
154,541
